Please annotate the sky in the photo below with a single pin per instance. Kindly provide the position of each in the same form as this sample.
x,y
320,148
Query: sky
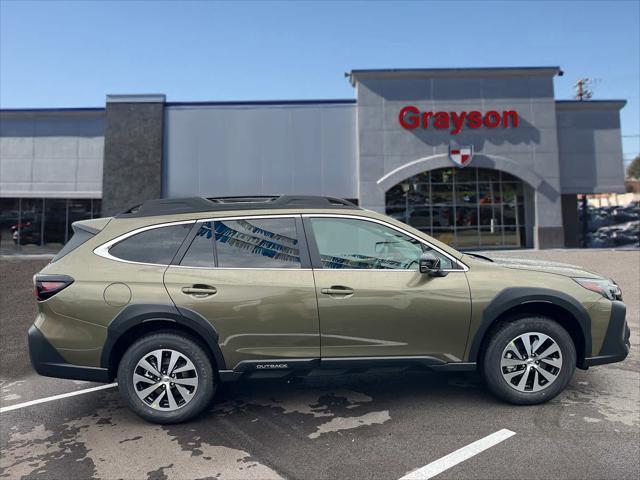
x,y
71,54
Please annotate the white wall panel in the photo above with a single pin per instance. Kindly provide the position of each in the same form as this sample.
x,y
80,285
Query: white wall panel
x,y
226,150
51,154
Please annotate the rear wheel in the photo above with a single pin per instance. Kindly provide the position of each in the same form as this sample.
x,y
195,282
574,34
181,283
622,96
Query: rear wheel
x,y
529,360
166,378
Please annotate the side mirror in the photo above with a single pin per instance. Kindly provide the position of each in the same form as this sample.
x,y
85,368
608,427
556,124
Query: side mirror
x,y
430,265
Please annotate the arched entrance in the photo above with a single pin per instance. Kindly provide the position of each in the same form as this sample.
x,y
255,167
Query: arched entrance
x,y
466,208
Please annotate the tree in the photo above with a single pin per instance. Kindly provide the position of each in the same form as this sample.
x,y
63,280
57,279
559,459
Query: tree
x,y
633,170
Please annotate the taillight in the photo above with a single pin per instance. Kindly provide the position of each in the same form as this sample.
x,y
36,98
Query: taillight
x,y
46,286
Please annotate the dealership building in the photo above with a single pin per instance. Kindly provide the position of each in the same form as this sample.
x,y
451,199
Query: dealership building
x,y
478,157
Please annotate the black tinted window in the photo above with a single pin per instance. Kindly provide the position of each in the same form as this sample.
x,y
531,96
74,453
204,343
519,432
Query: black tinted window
x,y
157,245
257,243
200,252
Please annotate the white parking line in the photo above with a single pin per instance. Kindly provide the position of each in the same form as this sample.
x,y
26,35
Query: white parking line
x,y
56,397
459,456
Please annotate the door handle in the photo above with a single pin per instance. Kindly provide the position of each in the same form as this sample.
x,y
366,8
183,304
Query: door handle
x,y
200,290
338,290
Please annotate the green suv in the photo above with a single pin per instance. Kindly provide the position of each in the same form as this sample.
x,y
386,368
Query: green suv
x,y
176,295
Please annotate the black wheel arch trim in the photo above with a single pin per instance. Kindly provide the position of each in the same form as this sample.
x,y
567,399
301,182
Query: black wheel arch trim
x,y
516,296
616,343
47,361
133,315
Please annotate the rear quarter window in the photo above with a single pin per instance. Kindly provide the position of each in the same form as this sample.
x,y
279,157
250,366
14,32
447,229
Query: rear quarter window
x,y
157,245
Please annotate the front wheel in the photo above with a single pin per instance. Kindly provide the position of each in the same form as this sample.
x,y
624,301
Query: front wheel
x,y
166,378
529,360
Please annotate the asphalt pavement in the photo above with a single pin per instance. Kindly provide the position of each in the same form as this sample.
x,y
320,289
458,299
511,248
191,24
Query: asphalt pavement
x,y
377,426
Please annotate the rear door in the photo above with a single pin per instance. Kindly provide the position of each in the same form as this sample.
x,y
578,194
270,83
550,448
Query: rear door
x,y
251,278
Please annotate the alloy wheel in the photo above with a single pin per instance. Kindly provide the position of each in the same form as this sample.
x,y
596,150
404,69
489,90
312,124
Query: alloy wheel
x,y
165,379
531,362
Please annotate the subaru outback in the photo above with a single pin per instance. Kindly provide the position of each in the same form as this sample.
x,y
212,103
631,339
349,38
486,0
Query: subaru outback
x,y
174,296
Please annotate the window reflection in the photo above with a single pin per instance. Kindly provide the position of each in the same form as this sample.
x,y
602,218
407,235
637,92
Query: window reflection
x,y
41,225
469,207
29,229
55,231
442,194
257,243
9,218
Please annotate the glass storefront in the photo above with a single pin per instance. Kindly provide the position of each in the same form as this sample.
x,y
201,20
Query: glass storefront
x,y
41,225
466,208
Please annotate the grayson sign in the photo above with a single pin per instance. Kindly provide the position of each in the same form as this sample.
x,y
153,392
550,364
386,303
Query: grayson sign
x,y
411,117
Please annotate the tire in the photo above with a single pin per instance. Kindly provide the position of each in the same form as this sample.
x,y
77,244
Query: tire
x,y
547,376
174,400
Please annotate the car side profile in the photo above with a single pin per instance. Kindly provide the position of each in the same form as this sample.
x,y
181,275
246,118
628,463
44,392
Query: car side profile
x,y
177,295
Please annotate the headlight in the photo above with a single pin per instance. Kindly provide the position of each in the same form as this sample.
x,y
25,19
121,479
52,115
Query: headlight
x,y
607,288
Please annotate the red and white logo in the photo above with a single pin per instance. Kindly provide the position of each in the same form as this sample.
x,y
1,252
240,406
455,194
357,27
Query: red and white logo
x,y
461,156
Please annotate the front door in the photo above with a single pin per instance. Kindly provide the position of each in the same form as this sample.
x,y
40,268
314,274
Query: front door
x,y
251,278
373,302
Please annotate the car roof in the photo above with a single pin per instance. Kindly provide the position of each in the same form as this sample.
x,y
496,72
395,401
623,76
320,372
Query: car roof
x,y
175,206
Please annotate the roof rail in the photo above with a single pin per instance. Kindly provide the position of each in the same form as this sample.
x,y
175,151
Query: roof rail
x,y
170,206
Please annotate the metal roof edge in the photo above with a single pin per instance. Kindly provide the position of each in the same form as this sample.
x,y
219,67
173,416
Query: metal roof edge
x,y
53,110
617,104
451,72
137,98
231,103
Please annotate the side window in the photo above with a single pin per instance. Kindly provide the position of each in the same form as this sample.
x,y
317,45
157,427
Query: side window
x,y
360,244
200,252
157,245
257,243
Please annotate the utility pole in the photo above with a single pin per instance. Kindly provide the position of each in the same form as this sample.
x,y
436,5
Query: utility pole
x,y
582,89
